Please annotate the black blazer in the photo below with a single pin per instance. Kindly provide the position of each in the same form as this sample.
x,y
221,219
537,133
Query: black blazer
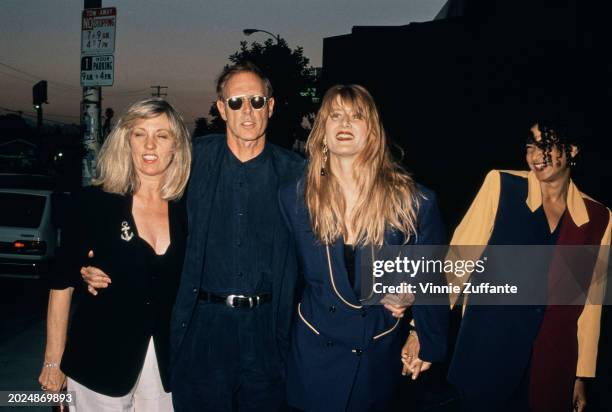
x,y
207,157
109,333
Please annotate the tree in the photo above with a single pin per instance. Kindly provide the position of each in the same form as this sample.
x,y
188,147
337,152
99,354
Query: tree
x,y
201,127
13,126
293,81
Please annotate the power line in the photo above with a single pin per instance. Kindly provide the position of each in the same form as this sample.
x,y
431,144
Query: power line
x,y
68,116
37,77
50,85
69,88
46,120
78,91
34,115
16,77
8,66
11,110
126,92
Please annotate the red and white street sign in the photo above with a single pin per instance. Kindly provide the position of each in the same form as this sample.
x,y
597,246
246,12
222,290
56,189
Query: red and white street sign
x,y
98,31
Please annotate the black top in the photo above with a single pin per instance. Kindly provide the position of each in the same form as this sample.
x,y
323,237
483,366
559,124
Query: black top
x,y
109,333
238,258
349,262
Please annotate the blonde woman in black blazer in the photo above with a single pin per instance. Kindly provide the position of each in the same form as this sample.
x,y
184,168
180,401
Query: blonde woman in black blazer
x,y
116,354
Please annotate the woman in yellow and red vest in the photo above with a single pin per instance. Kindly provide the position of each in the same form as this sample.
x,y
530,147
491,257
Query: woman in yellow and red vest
x,y
533,357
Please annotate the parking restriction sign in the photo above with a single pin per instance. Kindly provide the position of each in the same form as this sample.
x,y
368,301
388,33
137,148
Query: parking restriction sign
x,y
98,31
97,70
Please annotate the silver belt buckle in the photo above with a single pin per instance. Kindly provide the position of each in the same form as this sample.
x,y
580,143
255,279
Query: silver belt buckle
x,y
229,300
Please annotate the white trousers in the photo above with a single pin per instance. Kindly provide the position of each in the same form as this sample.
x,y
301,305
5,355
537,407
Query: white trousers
x,y
147,395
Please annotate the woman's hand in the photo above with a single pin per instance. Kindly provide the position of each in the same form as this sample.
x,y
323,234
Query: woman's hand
x,y
398,303
579,395
410,357
51,378
94,277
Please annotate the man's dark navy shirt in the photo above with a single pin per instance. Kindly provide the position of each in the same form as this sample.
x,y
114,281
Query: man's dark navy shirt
x,y
237,244
238,249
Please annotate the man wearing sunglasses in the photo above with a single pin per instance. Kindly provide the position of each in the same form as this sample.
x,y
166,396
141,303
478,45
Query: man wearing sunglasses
x,y
230,326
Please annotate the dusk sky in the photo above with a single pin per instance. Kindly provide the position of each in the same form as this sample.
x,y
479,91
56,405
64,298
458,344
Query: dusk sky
x,y
180,44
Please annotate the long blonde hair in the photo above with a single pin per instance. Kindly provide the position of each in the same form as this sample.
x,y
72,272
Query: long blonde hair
x,y
114,169
386,193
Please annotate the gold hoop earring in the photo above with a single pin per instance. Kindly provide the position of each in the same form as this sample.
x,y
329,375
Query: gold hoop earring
x,y
324,162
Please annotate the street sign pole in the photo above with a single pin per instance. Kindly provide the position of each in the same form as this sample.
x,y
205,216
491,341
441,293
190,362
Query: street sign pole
x,y
97,69
90,124
90,116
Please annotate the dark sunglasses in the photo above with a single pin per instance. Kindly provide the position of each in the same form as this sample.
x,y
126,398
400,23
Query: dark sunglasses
x,y
256,101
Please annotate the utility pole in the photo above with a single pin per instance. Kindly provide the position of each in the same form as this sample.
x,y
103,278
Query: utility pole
x,y
159,92
90,118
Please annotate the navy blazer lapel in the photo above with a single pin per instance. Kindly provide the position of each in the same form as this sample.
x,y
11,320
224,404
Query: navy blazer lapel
x,y
339,276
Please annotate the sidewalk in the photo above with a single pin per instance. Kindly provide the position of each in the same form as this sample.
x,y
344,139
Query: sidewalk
x,y
21,357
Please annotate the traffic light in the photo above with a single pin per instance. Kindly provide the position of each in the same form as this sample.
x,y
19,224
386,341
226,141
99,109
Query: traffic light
x,y
39,93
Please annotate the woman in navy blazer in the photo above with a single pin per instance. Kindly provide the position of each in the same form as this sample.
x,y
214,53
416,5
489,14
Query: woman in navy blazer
x,y
344,355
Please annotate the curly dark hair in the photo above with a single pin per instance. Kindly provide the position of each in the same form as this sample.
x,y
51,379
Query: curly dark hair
x,y
554,134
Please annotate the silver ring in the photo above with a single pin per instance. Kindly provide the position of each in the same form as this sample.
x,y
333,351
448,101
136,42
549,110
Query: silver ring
x,y
43,387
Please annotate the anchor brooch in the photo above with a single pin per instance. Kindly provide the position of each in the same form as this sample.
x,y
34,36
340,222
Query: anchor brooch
x,y
126,233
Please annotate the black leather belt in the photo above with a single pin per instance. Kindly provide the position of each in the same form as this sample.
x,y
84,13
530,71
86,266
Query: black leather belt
x,y
236,301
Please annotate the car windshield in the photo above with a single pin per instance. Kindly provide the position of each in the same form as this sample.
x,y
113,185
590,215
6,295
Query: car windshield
x,y
21,210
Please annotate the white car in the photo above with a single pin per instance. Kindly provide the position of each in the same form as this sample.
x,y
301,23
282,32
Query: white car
x,y
28,235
